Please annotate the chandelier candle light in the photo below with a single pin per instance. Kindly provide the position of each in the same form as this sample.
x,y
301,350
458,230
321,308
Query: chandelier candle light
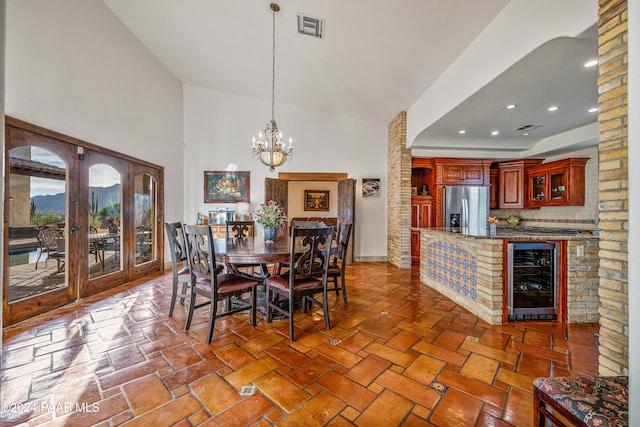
x,y
269,146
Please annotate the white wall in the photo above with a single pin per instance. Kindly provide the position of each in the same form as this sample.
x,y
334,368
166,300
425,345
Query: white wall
x,y
2,74
528,24
218,131
72,66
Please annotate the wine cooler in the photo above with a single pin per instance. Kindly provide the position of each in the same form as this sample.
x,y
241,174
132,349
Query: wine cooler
x,y
532,280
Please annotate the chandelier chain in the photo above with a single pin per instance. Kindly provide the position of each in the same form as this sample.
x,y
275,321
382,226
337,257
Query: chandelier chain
x,y
269,146
273,69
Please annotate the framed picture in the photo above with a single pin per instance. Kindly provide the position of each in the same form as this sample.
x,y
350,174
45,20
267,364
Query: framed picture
x,y
371,187
226,187
315,200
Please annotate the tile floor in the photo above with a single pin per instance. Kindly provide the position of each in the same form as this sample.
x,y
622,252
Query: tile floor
x,y
399,354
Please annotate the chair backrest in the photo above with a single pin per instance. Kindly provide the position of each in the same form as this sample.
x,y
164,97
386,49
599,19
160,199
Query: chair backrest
x,y
310,249
37,232
200,251
93,230
307,224
175,236
53,239
240,228
342,240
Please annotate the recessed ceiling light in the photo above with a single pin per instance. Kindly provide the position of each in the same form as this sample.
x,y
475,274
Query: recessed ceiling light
x,y
462,132
591,63
592,110
494,133
552,108
511,106
526,134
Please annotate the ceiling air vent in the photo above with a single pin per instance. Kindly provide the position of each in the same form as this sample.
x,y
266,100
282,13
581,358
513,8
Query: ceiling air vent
x,y
311,26
527,128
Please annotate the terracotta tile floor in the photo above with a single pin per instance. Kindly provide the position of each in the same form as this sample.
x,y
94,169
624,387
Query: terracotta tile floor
x,y
401,354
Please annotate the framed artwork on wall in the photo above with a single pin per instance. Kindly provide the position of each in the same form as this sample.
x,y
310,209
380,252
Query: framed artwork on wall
x,y
226,187
371,187
315,200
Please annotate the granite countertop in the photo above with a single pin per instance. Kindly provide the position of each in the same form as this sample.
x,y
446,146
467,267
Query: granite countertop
x,y
520,232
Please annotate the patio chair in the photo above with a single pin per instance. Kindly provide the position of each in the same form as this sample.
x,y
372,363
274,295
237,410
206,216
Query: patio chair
x,y
54,243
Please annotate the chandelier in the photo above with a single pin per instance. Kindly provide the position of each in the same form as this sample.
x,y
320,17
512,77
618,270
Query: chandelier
x,y
269,147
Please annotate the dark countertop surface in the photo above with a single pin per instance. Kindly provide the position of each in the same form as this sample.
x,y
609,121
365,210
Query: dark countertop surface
x,y
524,232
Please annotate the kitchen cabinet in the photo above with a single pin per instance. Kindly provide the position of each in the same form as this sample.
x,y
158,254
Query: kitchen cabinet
x,y
454,171
511,187
421,217
493,188
462,174
421,176
450,171
559,183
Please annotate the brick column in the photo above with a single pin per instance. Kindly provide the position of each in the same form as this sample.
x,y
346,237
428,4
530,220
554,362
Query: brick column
x,y
399,194
613,187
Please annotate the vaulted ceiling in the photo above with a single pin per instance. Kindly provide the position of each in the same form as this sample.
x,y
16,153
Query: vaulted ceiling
x,y
375,59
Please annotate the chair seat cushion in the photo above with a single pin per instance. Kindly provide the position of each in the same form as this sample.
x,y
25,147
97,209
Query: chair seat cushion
x,y
282,282
597,401
227,283
334,270
184,271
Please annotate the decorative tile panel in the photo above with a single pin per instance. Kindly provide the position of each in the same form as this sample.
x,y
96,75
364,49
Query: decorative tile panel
x,y
453,266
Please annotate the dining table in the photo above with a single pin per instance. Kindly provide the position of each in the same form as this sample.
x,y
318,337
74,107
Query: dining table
x,y
238,252
255,250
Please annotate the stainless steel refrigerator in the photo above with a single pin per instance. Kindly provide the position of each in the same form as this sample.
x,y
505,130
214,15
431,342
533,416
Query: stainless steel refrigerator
x,y
464,209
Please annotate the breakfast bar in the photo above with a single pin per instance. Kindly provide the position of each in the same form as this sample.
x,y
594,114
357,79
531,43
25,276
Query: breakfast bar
x,y
473,271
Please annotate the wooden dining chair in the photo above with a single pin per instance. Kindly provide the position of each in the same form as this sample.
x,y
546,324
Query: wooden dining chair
x,y
179,263
209,282
307,275
239,229
242,230
339,261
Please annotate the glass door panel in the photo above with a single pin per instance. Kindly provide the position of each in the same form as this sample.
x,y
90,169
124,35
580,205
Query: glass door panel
x,y
538,187
145,219
104,219
37,218
103,246
39,246
558,186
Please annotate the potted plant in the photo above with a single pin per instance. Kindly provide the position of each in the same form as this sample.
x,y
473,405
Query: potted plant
x,y
271,216
113,224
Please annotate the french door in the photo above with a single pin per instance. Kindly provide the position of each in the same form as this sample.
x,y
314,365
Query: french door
x,y
79,219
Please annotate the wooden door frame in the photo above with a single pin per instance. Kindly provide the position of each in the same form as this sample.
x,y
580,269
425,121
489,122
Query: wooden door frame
x,y
73,158
326,176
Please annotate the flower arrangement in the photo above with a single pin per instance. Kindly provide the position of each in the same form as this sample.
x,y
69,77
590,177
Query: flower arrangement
x,y
270,214
112,221
492,220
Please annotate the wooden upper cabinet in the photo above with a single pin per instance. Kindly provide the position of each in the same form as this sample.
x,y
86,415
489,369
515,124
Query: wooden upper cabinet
x,y
511,187
493,188
559,183
451,171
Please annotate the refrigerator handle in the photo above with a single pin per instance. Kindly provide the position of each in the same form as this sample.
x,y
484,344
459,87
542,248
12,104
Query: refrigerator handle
x,y
464,220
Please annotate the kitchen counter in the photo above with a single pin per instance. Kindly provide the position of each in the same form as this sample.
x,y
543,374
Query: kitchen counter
x,y
523,233
469,269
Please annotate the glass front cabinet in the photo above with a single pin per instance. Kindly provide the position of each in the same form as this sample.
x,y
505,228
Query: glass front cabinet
x,y
559,183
